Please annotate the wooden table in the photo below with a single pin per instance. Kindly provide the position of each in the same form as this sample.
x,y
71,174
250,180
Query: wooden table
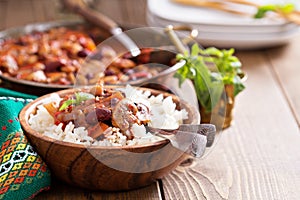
x,y
258,157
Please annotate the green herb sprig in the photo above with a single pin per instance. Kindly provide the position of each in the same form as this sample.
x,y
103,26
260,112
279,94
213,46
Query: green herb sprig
x,y
282,9
79,97
209,70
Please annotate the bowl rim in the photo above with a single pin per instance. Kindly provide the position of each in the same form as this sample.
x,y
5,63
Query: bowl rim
x,y
27,110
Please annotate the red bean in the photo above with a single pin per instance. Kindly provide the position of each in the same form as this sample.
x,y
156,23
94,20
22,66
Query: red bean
x,y
99,114
103,114
82,53
51,66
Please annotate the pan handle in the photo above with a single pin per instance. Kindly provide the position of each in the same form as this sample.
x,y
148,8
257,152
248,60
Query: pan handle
x,y
181,44
193,32
95,17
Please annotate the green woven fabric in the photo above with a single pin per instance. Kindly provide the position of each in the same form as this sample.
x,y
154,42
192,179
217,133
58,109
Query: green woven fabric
x,y
10,93
23,174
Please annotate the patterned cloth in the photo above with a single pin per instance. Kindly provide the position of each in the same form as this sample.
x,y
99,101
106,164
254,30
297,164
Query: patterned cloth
x,y
23,174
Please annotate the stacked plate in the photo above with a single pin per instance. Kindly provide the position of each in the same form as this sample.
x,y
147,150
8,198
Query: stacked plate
x,y
222,29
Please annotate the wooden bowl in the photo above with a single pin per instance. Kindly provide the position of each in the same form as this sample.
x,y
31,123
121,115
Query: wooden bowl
x,y
104,167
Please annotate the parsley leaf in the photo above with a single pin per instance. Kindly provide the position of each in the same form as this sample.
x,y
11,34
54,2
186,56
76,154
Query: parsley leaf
x,y
79,97
209,70
284,9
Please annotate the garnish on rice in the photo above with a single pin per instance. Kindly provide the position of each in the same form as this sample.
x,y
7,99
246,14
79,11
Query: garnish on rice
x,y
107,116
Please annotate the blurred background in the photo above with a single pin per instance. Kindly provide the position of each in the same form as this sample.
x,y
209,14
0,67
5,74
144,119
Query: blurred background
x,y
16,12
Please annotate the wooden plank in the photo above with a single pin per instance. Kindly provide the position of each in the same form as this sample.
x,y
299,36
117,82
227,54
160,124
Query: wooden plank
x,y
62,191
258,157
3,8
128,12
285,62
135,10
50,10
38,10
18,13
113,9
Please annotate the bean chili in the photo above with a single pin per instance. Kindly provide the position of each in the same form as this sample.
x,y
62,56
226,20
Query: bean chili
x,y
55,57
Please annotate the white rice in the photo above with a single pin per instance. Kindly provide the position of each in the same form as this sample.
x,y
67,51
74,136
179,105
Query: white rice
x,y
163,115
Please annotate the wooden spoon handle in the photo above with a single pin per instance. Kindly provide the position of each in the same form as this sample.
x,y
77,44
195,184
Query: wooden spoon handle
x,y
98,19
91,15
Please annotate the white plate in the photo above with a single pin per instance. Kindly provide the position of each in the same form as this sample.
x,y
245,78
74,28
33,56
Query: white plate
x,y
152,19
245,42
190,14
237,40
221,29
